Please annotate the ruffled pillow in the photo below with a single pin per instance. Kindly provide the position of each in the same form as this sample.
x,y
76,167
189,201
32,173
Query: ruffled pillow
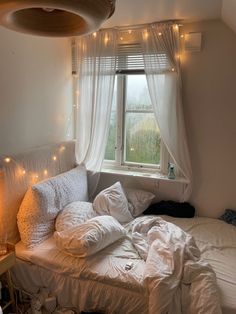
x,y
112,201
73,215
90,237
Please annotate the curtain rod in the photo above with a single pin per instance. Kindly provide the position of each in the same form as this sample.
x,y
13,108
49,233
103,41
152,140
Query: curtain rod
x,y
137,26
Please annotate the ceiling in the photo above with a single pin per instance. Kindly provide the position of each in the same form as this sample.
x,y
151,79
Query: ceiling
x,y
229,13
132,12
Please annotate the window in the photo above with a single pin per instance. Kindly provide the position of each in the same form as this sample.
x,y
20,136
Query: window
x,y
134,138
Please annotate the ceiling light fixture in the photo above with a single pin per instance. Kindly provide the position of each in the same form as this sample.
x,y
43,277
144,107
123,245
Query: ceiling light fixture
x,y
56,18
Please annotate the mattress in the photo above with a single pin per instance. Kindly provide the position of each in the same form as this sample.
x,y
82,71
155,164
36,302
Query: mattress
x,y
101,277
104,280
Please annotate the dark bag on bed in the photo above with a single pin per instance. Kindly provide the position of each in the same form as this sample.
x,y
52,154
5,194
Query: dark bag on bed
x,y
171,208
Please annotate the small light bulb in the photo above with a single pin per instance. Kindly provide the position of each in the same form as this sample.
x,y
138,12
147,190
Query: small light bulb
x,y
182,36
49,10
23,172
146,34
7,160
106,39
94,34
45,172
130,31
62,148
121,38
54,158
159,34
173,69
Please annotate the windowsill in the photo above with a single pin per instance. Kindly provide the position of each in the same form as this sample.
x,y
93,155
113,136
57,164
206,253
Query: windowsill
x,y
142,174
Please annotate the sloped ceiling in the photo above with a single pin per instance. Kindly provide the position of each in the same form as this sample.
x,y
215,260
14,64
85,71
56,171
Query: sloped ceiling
x,y
131,12
229,13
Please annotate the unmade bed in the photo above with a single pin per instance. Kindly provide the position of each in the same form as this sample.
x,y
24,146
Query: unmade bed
x,y
140,264
106,284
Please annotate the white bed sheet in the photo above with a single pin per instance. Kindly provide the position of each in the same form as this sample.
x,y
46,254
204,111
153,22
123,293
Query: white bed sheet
x,y
103,281
106,279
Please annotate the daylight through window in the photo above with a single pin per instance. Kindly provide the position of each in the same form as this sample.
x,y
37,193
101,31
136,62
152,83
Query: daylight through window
x,y
134,137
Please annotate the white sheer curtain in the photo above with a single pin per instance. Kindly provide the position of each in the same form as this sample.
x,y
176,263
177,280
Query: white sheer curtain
x,y
96,77
164,83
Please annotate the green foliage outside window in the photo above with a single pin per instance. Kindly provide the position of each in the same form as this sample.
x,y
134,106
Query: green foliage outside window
x,y
141,136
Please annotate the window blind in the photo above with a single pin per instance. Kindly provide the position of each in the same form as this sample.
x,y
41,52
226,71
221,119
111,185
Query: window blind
x,y
130,57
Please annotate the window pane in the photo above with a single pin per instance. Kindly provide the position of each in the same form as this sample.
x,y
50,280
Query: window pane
x,y
137,93
111,142
142,138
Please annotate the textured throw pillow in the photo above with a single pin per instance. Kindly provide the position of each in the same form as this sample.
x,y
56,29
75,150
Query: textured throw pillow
x,y
74,214
90,237
112,201
139,200
44,200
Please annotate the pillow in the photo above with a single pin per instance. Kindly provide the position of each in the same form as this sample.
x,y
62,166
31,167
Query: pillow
x,y
90,237
44,200
139,200
74,214
112,201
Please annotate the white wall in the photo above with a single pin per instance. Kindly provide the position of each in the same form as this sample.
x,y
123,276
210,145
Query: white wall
x,y
209,97
209,86
35,91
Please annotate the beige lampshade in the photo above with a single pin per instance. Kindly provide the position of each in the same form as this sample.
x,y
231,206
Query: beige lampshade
x,y
57,18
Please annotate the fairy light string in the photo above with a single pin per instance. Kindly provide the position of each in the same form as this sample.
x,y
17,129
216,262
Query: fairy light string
x,y
21,171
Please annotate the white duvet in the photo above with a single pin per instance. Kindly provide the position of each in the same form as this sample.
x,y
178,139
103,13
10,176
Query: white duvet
x,y
177,279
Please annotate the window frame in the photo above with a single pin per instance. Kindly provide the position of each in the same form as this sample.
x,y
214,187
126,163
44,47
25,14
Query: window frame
x,y
119,163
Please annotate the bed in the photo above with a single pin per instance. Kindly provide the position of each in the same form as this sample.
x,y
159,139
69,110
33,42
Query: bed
x,y
45,266
124,277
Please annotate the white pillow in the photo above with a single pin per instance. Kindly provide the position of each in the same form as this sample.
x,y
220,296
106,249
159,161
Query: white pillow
x,y
112,201
139,200
44,200
90,237
74,214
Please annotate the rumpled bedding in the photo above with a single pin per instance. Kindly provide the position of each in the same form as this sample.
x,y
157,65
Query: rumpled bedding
x,y
166,274
177,279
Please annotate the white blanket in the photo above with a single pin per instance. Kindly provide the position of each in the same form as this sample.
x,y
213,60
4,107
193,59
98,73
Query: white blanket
x,y
178,280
